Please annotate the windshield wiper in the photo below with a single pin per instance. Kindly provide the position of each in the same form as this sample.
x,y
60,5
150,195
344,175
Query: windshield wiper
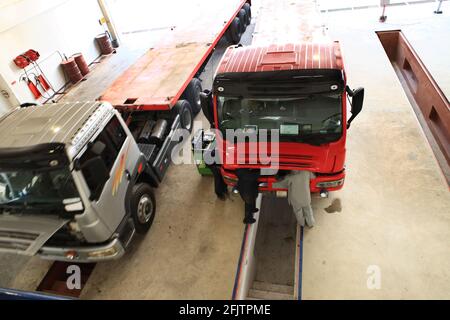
x,y
30,206
11,206
14,207
318,139
314,140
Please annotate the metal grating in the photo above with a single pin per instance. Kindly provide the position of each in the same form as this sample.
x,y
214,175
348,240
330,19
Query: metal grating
x,y
16,240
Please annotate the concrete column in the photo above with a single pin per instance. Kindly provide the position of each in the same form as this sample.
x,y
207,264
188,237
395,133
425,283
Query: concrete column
x,y
8,100
109,22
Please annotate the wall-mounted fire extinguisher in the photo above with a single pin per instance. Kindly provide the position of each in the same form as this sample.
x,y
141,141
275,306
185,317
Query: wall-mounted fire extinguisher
x,y
26,59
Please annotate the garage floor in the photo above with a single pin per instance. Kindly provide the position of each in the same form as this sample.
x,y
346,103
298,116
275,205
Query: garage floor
x,y
394,212
391,218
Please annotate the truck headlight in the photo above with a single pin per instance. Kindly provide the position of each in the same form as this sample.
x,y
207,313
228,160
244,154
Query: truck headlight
x,y
103,253
330,184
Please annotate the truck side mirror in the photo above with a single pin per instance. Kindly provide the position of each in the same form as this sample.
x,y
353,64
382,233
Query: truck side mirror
x,y
206,99
357,103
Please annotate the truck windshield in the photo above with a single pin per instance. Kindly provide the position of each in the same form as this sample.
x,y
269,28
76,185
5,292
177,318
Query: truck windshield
x,y
47,187
316,117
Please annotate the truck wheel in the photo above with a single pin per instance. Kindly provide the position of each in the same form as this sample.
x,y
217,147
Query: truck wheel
x,y
243,19
234,31
248,10
184,109
192,94
143,207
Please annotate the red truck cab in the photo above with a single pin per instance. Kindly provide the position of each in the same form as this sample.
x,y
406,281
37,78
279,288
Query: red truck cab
x,y
298,90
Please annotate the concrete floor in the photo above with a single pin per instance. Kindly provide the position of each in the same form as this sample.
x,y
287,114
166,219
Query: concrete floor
x,y
393,214
395,207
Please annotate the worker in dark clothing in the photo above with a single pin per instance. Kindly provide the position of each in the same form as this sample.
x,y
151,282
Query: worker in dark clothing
x,y
247,186
220,187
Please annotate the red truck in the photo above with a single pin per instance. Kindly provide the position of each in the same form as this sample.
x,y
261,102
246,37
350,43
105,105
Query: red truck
x,y
298,93
299,90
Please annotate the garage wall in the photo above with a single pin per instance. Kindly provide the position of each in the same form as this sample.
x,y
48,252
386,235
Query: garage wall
x,y
52,27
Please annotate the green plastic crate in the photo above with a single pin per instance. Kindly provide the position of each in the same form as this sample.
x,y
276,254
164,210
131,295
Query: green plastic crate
x,y
201,142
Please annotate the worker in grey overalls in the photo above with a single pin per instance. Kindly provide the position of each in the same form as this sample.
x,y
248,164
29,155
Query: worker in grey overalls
x,y
299,195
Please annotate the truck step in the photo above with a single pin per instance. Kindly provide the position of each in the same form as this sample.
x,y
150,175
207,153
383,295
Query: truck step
x,y
254,294
272,287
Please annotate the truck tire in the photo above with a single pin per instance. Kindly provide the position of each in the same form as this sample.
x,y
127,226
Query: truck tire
x,y
248,9
192,95
143,207
234,33
242,15
184,109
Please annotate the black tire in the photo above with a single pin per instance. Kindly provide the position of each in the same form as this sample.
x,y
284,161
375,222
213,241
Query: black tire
x,y
143,207
248,9
184,109
234,31
192,95
242,15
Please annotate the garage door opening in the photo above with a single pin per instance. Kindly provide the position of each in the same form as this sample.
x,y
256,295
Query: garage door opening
x,y
143,22
429,103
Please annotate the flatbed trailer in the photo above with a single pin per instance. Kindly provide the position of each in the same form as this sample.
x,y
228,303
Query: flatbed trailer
x,y
163,82
137,79
158,79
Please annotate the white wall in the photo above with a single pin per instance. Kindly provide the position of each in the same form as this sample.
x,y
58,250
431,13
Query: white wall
x,y
48,26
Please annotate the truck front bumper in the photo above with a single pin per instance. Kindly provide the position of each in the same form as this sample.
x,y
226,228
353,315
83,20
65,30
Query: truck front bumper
x,y
111,250
329,182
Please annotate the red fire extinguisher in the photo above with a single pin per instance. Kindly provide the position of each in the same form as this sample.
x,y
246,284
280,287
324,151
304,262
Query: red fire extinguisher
x,y
33,88
23,61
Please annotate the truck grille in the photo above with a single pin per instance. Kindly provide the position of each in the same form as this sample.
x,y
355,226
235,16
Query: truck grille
x,y
16,240
299,161
14,246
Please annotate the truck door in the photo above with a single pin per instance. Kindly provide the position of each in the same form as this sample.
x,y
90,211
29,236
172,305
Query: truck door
x,y
119,153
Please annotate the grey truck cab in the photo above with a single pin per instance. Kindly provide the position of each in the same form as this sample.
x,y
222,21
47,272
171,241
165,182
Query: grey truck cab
x,y
74,183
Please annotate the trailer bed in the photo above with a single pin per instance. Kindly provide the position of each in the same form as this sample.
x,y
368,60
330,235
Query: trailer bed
x,y
159,77
103,73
